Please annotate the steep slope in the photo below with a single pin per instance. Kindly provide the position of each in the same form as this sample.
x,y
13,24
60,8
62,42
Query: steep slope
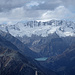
x,y
55,47
5,43
14,63
22,47
51,45
64,64
38,35
37,43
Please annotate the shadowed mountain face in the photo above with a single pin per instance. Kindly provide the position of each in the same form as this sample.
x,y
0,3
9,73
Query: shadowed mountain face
x,y
22,47
39,36
64,63
55,47
13,63
37,43
59,50
51,45
5,43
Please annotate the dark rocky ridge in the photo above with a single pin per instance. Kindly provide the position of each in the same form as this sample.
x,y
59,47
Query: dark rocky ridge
x,y
22,47
8,44
13,63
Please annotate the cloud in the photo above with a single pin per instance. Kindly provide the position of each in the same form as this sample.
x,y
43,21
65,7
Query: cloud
x,y
69,4
17,10
59,13
20,14
43,5
31,4
7,5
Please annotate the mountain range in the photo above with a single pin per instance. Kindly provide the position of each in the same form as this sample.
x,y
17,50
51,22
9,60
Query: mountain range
x,y
22,42
61,27
13,62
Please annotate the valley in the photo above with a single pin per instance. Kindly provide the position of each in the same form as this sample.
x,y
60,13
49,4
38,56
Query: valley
x,y
37,37
48,47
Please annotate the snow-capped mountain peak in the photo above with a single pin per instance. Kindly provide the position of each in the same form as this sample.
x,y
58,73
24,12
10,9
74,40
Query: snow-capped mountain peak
x,y
62,28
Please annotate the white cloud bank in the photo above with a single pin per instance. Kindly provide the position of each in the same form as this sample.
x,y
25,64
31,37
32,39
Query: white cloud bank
x,y
59,13
22,14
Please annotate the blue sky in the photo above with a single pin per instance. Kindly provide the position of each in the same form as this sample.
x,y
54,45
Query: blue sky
x,y
23,10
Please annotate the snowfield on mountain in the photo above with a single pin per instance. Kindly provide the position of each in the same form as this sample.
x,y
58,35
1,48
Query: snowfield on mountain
x,y
61,27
